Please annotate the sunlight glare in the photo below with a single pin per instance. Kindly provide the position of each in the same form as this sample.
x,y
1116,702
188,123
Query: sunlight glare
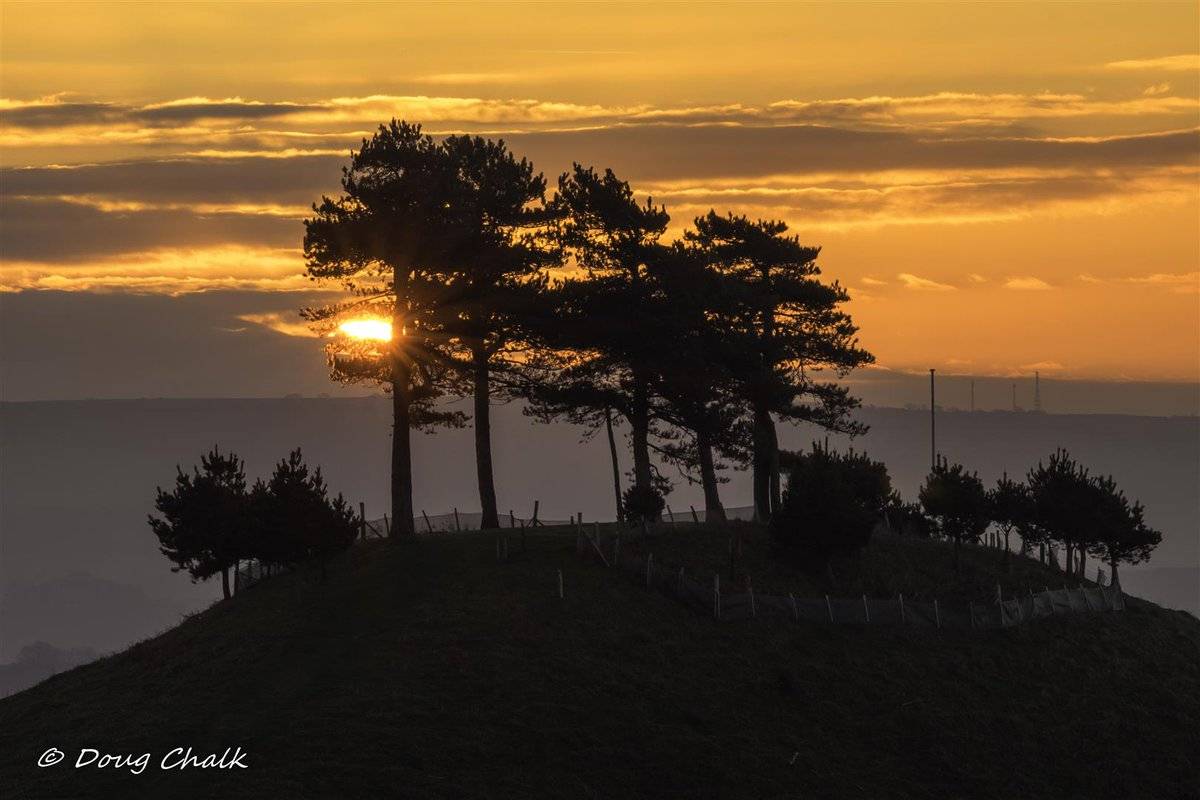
x,y
376,329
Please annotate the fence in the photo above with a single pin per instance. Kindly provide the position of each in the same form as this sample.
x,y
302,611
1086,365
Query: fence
x,y
704,594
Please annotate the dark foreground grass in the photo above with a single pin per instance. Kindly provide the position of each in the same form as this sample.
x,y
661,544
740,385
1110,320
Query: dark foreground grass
x,y
429,670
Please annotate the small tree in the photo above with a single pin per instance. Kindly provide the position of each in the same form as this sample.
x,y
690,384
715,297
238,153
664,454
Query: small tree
x,y
958,502
830,506
1008,505
204,518
1121,532
642,503
1062,498
296,520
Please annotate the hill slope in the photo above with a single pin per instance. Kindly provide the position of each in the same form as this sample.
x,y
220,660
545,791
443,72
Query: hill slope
x,y
430,670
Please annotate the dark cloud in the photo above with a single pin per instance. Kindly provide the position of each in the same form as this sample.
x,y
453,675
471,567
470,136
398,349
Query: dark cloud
x,y
57,115
183,112
54,231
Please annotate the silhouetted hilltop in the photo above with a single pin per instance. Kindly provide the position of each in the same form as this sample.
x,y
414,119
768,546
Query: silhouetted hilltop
x,y
431,670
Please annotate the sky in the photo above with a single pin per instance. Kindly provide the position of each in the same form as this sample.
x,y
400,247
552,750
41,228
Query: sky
x,y
1002,188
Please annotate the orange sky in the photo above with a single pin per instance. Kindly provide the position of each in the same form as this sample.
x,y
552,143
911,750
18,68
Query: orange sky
x,y
1003,187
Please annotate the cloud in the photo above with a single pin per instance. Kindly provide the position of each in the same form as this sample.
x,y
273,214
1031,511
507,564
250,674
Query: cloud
x,y
1042,366
1180,63
975,277
166,271
1176,282
869,281
918,283
280,323
1156,89
1026,283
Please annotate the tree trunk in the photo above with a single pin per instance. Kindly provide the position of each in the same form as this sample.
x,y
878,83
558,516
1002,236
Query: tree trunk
x,y
773,443
1082,566
402,506
713,510
616,466
640,422
225,581
483,441
761,465
1114,580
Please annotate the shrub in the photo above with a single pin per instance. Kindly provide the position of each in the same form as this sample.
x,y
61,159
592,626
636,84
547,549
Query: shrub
x,y
830,506
643,503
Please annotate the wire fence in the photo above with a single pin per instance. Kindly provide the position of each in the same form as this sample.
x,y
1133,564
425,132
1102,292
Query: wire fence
x,y
703,593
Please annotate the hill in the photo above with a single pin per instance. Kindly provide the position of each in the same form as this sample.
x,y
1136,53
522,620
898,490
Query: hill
x,y
429,669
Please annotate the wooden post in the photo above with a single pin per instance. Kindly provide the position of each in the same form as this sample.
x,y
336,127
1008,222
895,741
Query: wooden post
x,y
387,525
534,521
829,608
750,591
901,609
560,585
695,516
716,595
362,521
457,526
512,520
937,615
795,608
866,609
428,525
671,515
649,566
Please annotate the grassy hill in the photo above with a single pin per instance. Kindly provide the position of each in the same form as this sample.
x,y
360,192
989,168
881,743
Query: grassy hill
x,y
430,670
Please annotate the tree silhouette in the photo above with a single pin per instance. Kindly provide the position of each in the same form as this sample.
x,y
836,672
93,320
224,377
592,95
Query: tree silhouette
x,y
295,520
789,326
1121,532
1062,502
203,524
1009,508
599,346
387,239
958,502
494,278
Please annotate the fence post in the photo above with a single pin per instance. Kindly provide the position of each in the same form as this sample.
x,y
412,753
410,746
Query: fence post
x,y
695,516
866,610
795,608
560,585
649,566
457,526
362,522
671,514
750,591
512,520
901,608
937,615
534,521
716,595
428,524
387,525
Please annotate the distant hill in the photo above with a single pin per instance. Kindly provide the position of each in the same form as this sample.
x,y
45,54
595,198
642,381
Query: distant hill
x,y
431,670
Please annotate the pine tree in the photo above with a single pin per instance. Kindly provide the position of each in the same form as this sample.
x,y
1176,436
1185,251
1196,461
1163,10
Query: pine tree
x,y
1121,532
958,502
387,240
789,327
1009,508
204,518
1062,503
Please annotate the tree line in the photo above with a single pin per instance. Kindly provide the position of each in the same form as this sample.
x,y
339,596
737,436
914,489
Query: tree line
x,y
575,303
209,521
834,500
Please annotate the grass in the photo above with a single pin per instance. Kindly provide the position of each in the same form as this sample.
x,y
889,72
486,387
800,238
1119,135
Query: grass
x,y
430,670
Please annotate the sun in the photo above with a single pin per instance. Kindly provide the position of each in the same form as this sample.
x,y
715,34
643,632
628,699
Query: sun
x,y
379,330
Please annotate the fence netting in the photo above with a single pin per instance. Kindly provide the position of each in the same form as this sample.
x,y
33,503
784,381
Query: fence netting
x,y
704,594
